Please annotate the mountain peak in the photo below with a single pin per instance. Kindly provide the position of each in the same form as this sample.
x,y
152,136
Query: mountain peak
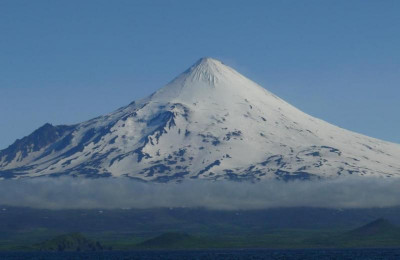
x,y
209,79
207,62
208,70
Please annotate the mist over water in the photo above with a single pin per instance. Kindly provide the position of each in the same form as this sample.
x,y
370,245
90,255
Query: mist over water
x,y
109,193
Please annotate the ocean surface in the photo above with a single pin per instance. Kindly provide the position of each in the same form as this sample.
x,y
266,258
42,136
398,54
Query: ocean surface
x,y
319,254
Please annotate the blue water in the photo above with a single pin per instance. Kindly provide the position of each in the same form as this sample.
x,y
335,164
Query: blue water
x,y
319,254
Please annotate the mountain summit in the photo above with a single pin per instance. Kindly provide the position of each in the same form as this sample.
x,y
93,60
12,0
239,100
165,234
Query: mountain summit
x,y
210,122
208,79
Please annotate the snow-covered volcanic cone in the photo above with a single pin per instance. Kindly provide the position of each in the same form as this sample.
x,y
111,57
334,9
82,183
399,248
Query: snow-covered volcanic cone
x,y
210,122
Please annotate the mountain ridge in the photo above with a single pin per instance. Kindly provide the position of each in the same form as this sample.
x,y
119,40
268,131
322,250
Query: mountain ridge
x,y
210,122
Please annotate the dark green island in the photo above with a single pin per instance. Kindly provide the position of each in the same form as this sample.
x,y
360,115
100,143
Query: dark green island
x,y
184,229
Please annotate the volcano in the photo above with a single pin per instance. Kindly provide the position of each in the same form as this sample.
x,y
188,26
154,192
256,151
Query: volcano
x,y
210,122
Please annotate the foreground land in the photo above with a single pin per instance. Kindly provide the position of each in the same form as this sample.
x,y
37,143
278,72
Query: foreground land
x,y
128,229
379,233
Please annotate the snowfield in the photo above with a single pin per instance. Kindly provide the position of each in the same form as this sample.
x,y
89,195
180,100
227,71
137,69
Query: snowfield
x,y
210,122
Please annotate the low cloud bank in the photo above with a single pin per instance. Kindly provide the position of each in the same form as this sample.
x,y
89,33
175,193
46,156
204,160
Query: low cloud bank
x,y
107,193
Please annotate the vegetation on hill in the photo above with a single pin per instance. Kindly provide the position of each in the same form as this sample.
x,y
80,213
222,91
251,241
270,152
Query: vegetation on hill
x,y
70,242
378,233
171,240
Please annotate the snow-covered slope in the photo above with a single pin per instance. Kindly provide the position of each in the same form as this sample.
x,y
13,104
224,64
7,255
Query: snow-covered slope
x,y
210,122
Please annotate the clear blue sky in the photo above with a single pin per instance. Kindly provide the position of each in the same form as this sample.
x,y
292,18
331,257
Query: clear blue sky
x,y
68,61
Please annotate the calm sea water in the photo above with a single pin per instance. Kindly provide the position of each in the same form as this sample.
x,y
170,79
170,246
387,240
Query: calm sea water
x,y
364,254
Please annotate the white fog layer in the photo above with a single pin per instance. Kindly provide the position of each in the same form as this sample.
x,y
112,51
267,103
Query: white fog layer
x,y
112,193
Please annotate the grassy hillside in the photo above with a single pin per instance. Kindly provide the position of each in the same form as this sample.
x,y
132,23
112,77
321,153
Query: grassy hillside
x,y
163,220
379,233
32,229
69,242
